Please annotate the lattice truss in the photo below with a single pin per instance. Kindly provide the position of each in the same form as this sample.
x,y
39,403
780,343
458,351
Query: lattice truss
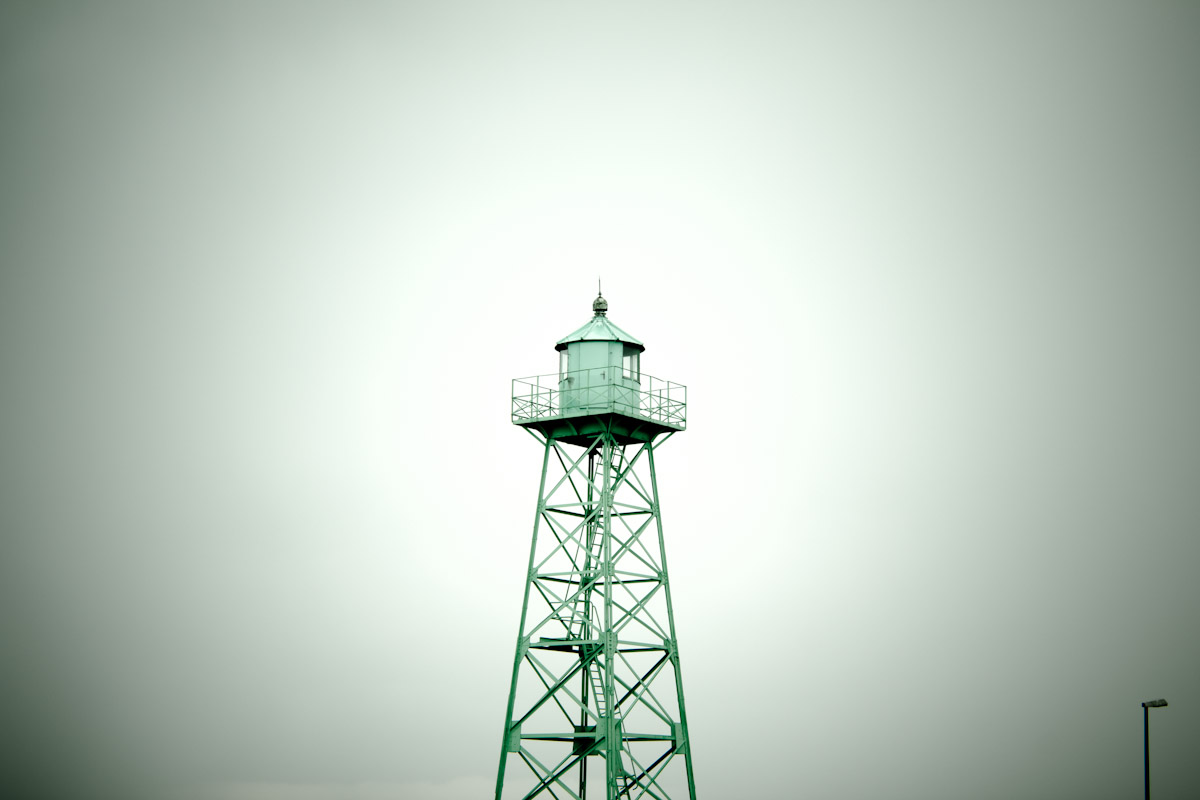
x,y
596,674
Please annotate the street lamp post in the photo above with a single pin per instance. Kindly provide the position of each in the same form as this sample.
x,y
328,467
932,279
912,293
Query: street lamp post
x,y
1149,704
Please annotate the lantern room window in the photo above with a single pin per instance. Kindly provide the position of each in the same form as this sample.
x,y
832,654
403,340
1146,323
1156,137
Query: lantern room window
x,y
631,366
562,364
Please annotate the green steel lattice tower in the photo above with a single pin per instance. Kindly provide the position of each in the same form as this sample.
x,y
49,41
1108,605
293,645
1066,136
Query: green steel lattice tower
x,y
596,682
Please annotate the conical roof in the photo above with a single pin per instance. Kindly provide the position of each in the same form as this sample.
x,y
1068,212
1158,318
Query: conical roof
x,y
599,329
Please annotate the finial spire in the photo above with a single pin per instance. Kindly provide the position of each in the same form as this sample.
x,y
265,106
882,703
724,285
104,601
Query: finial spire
x,y
599,305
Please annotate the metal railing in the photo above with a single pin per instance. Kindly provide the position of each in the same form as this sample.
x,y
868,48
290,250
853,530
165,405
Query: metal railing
x,y
599,390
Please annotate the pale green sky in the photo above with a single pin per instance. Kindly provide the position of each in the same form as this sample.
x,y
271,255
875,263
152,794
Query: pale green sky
x,y
931,272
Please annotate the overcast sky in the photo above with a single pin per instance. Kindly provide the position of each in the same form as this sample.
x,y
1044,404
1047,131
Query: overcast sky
x,y
931,272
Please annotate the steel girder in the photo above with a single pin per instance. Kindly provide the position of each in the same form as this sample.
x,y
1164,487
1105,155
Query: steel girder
x,y
596,673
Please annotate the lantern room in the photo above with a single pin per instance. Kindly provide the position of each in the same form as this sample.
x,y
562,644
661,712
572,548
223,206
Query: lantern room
x,y
599,353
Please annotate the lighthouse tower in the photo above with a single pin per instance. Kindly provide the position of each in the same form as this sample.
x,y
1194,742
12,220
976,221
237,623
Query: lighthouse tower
x,y
596,703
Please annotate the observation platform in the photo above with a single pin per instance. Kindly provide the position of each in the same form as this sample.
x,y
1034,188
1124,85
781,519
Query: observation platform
x,y
575,407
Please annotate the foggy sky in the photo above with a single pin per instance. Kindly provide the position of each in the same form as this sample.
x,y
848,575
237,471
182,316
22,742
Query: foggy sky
x,y
929,270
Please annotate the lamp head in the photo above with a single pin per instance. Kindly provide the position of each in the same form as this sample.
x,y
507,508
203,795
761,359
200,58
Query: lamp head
x,y
1154,704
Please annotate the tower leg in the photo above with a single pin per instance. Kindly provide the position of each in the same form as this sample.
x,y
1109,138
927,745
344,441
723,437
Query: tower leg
x,y
521,641
685,746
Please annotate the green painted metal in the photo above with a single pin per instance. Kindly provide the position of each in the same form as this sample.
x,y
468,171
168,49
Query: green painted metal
x,y
586,399
599,328
596,671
